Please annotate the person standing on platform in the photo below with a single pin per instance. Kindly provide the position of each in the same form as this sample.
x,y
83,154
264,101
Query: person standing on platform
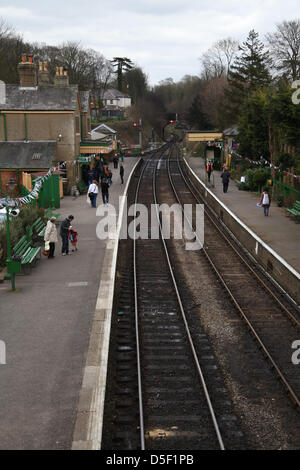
x,y
93,193
104,190
265,201
225,178
51,236
122,173
116,161
209,169
64,233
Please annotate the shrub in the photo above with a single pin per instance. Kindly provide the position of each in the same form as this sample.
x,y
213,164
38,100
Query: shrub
x,y
257,178
28,215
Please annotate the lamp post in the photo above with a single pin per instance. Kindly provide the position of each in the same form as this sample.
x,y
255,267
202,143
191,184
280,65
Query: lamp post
x,y
9,262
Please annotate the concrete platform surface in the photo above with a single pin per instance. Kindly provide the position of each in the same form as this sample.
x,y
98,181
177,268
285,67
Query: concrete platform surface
x,y
46,328
278,230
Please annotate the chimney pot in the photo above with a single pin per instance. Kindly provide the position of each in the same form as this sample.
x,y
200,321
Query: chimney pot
x,y
27,72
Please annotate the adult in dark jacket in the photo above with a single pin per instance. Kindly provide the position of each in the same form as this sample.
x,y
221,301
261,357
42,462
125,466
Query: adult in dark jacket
x,y
122,172
64,233
225,178
104,190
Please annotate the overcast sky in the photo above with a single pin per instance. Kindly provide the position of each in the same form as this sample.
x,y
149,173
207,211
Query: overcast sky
x,y
164,37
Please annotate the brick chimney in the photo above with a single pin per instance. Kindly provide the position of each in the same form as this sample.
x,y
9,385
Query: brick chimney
x,y
61,77
44,78
27,72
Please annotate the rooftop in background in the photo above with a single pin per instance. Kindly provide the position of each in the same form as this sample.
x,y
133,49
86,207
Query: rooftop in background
x,y
112,94
103,128
231,131
45,98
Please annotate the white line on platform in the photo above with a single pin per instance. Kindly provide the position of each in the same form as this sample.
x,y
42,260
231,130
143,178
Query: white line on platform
x,y
78,284
88,428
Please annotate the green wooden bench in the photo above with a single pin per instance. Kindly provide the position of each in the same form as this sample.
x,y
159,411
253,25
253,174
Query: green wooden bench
x,y
38,227
295,211
25,251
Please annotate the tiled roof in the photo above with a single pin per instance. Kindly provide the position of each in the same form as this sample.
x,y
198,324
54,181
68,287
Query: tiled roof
x,y
26,155
44,98
113,94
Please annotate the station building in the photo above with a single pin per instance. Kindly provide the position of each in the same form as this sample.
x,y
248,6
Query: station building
x,y
42,123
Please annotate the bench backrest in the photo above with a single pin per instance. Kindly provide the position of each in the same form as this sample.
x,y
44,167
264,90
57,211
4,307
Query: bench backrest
x,y
21,246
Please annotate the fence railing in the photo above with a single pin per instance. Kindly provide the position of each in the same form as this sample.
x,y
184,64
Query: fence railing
x,y
287,192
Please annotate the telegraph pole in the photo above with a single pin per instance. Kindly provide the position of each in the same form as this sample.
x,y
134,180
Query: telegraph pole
x,y
140,134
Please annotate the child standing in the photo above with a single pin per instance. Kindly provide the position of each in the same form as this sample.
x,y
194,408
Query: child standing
x,y
73,237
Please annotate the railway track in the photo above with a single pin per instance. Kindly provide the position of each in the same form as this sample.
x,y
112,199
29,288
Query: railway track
x,y
169,402
165,390
273,325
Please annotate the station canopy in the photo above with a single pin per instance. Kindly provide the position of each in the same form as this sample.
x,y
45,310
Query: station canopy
x,y
204,136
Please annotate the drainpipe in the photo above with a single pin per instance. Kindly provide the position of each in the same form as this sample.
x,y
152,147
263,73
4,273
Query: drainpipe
x,y
4,124
25,126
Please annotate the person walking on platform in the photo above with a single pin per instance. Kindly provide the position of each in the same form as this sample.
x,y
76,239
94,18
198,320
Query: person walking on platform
x,y
225,178
122,173
265,201
64,233
209,169
51,236
93,193
104,190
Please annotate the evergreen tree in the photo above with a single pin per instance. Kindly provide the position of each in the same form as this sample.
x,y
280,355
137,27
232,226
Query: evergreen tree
x,y
249,72
196,117
122,63
253,126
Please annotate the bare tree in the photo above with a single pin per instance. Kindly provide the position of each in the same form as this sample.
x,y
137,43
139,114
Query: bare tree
x,y
216,62
285,48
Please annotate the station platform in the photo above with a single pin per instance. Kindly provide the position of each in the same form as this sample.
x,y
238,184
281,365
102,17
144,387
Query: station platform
x,y
46,326
278,230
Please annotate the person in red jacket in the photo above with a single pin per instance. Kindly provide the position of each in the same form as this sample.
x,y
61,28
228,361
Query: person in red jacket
x,y
73,237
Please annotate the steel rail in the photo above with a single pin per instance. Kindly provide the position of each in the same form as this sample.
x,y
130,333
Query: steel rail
x,y
140,393
197,364
244,316
261,281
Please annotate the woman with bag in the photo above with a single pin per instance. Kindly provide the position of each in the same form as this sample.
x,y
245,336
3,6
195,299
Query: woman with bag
x,y
50,237
265,201
93,192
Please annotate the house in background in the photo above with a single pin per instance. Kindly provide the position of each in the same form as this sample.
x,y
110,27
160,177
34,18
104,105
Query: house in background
x,y
115,103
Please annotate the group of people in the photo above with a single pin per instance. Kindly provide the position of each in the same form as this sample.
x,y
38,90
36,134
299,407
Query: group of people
x,y
265,199
105,182
67,233
225,175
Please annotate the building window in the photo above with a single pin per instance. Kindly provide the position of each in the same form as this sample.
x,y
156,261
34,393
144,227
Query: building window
x,y
111,101
88,124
